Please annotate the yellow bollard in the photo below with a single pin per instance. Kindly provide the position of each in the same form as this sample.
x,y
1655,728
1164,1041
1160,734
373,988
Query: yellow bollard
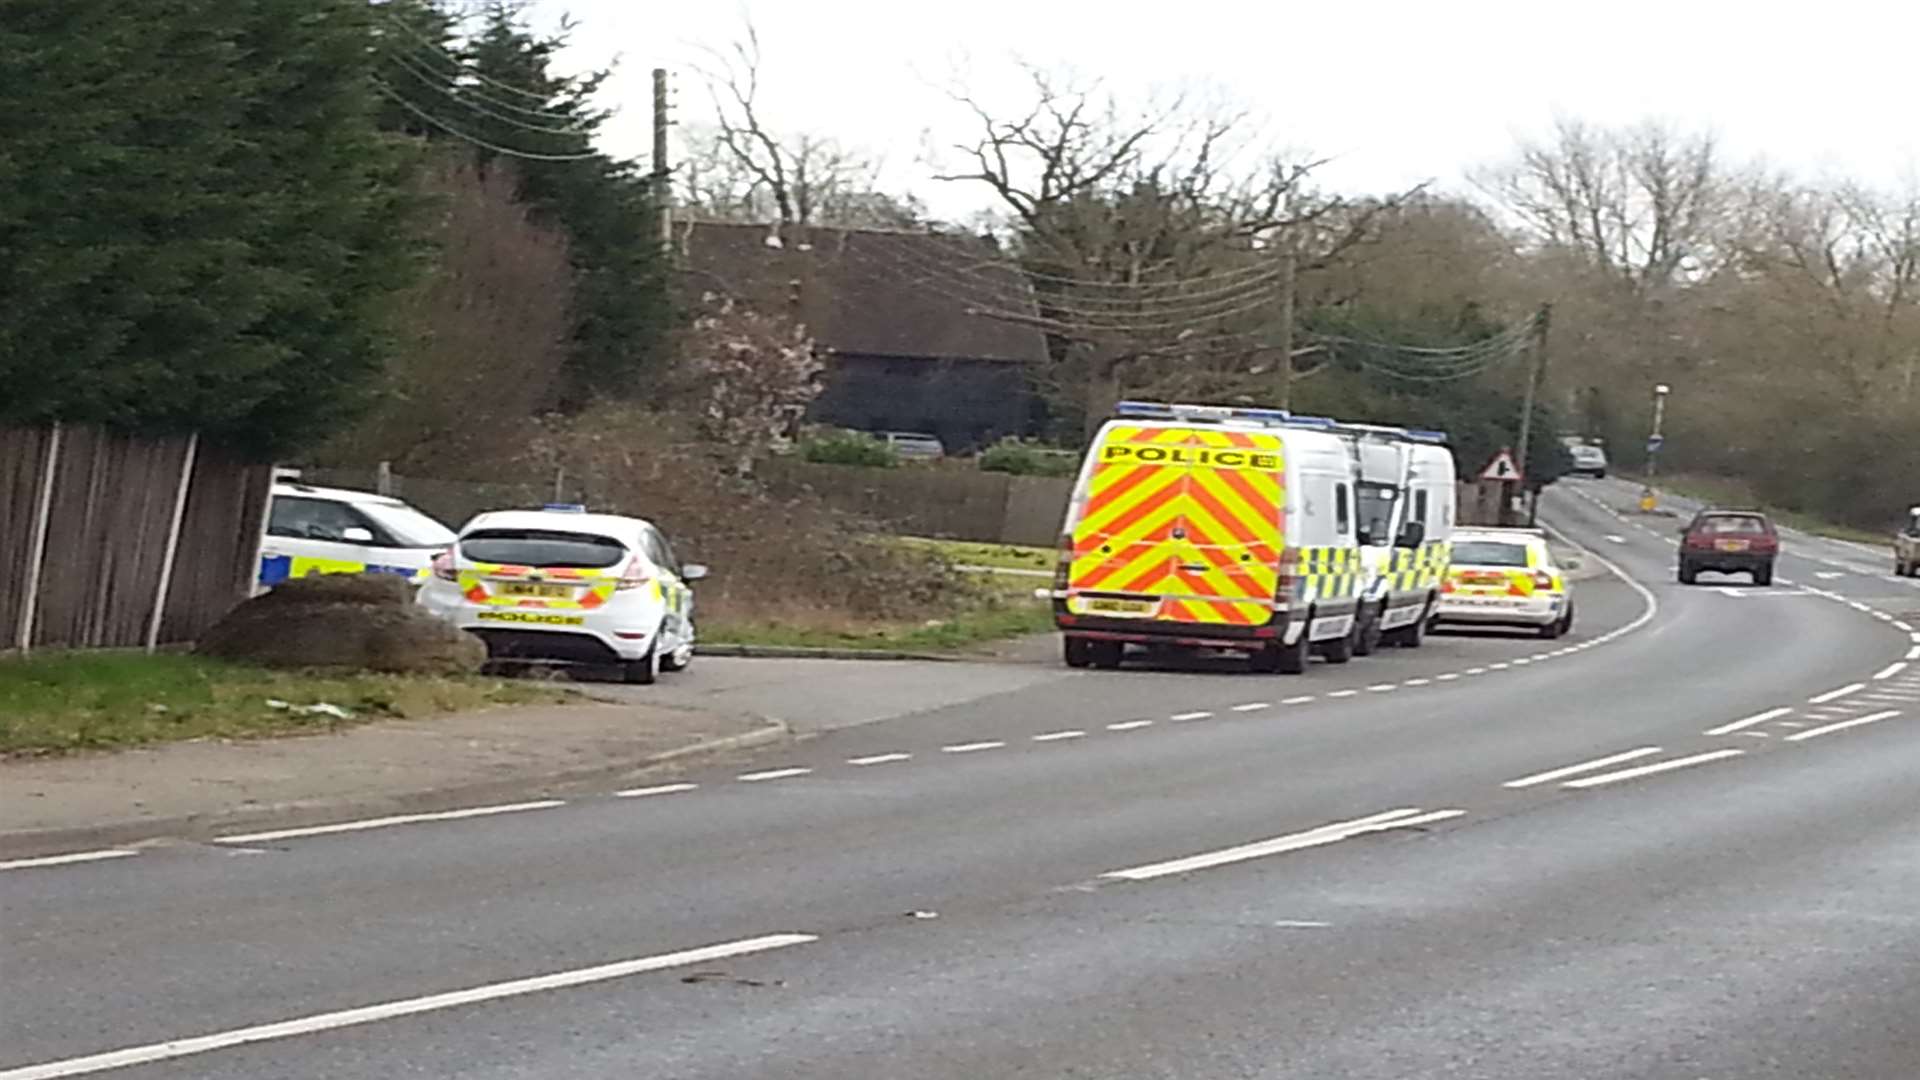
x,y
1646,500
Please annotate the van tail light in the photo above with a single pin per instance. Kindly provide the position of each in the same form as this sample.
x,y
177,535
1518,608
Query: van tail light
x,y
635,575
1064,566
1287,575
443,567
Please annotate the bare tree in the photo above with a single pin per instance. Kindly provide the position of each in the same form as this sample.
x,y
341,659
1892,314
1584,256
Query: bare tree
x,y
741,169
1156,237
1643,205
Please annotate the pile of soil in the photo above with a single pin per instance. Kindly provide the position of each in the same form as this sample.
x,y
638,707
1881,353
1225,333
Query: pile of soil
x,y
361,622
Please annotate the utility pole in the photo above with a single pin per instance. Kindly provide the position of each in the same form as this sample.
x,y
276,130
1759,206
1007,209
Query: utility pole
x,y
1535,371
662,177
1283,365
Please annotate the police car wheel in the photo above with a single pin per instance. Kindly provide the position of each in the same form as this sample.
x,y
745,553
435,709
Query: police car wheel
x,y
680,658
646,670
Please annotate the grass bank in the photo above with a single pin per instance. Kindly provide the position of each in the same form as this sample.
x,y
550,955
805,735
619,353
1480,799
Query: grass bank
x,y
65,702
1733,494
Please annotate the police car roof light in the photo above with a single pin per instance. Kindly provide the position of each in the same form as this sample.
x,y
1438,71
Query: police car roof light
x,y
566,508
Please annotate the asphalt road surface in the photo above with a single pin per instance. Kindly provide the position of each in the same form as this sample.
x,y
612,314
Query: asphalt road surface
x,y
1682,843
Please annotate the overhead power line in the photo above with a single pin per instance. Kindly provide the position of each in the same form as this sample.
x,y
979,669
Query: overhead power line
x,y
399,99
467,99
465,68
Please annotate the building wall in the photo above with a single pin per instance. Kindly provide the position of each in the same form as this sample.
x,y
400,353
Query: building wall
x,y
969,404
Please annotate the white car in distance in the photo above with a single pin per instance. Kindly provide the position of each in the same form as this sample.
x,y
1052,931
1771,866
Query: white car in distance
x,y
563,586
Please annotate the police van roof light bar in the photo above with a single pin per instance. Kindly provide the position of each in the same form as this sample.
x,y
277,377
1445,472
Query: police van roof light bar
x,y
1158,410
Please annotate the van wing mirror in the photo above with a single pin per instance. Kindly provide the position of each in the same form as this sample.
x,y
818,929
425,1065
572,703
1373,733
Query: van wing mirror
x,y
1412,535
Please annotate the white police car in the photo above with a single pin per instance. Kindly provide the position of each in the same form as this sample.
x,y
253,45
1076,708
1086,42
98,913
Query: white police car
x,y
561,585
321,530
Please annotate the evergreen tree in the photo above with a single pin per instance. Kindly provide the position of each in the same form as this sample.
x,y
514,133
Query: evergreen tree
x,y
199,223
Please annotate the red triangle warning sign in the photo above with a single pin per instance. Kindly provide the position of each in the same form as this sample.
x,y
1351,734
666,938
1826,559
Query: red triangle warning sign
x,y
1501,468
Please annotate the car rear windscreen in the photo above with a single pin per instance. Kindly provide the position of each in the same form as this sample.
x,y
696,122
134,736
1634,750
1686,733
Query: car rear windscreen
x,y
542,547
1732,524
1488,553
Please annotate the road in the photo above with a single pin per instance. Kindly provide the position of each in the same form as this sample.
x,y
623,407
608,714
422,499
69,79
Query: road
x,y
1683,842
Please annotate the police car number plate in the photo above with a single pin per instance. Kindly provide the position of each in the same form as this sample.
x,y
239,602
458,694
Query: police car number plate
x,y
545,592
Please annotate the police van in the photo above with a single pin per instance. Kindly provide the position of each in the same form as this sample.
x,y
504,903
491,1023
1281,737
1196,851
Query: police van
x,y
1407,501
1211,527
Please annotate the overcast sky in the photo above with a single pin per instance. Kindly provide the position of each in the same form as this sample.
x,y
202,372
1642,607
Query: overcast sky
x,y
1394,92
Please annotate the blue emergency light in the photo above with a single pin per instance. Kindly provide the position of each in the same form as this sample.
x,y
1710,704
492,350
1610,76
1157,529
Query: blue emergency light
x,y
566,508
1159,410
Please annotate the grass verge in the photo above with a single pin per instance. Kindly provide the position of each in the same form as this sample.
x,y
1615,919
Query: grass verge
x,y
991,621
65,702
1728,492
999,556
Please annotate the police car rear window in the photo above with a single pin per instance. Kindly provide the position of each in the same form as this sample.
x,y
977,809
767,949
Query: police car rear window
x,y
541,547
1488,553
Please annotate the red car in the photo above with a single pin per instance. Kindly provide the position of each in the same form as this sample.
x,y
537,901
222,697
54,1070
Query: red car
x,y
1729,542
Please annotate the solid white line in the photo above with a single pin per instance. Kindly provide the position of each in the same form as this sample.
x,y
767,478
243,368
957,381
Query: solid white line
x,y
1325,834
1891,670
388,1010
771,774
1645,770
1870,718
383,822
879,759
1448,677
1190,716
1836,695
1739,725
971,747
1301,700
66,860
1585,766
1056,736
1129,725
1343,693
662,789
1253,706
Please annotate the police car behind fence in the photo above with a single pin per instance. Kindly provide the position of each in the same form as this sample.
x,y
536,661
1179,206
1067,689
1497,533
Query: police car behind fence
x,y
320,530
562,585
1505,577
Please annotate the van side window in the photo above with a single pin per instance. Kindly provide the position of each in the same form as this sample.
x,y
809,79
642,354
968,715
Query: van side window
x,y
1420,508
1342,510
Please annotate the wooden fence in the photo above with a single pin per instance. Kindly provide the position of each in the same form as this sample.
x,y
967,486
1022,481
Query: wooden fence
x,y
111,540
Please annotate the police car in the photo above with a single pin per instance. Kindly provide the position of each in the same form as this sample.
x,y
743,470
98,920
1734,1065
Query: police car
x,y
561,585
1505,577
321,530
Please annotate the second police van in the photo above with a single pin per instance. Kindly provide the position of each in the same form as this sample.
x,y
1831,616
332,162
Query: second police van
x,y
1213,527
1407,495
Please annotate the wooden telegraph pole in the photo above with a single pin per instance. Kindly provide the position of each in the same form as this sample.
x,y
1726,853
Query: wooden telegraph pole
x,y
1535,372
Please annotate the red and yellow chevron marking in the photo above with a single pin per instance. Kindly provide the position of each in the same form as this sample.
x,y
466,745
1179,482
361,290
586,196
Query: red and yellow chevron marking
x,y
1190,516
598,586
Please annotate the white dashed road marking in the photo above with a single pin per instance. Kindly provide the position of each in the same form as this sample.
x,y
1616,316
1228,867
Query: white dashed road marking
x,y
1252,706
1129,725
771,774
879,759
1835,695
658,789
1759,718
1056,736
1325,834
1585,766
1189,716
971,747
1650,770
1870,718
384,822
67,859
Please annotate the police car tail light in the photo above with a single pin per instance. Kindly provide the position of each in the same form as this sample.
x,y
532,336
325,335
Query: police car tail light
x,y
635,575
1542,579
443,567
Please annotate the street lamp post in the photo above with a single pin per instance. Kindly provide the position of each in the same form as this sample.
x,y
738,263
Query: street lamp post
x,y
1654,440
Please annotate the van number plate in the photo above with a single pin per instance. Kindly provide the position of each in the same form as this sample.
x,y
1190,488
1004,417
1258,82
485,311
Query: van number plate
x,y
1120,607
545,592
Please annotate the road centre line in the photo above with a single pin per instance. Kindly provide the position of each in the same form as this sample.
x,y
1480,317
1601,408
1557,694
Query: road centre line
x,y
1056,736
384,822
1129,725
1750,721
1902,625
389,1010
971,747
658,789
1325,834
1870,718
879,759
1585,766
1418,682
771,774
1301,700
1645,770
1252,706
68,859
1836,695
1448,677
1476,671
1913,653
1343,693
1178,717
1891,670
1381,688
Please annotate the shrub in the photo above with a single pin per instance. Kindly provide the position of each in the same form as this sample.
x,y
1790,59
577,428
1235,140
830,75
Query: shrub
x,y
1026,459
849,448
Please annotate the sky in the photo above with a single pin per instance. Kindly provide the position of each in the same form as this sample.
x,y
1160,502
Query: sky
x,y
1393,93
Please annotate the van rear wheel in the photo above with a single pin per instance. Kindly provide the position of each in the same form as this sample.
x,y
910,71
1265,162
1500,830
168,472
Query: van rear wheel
x,y
1340,649
1106,655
